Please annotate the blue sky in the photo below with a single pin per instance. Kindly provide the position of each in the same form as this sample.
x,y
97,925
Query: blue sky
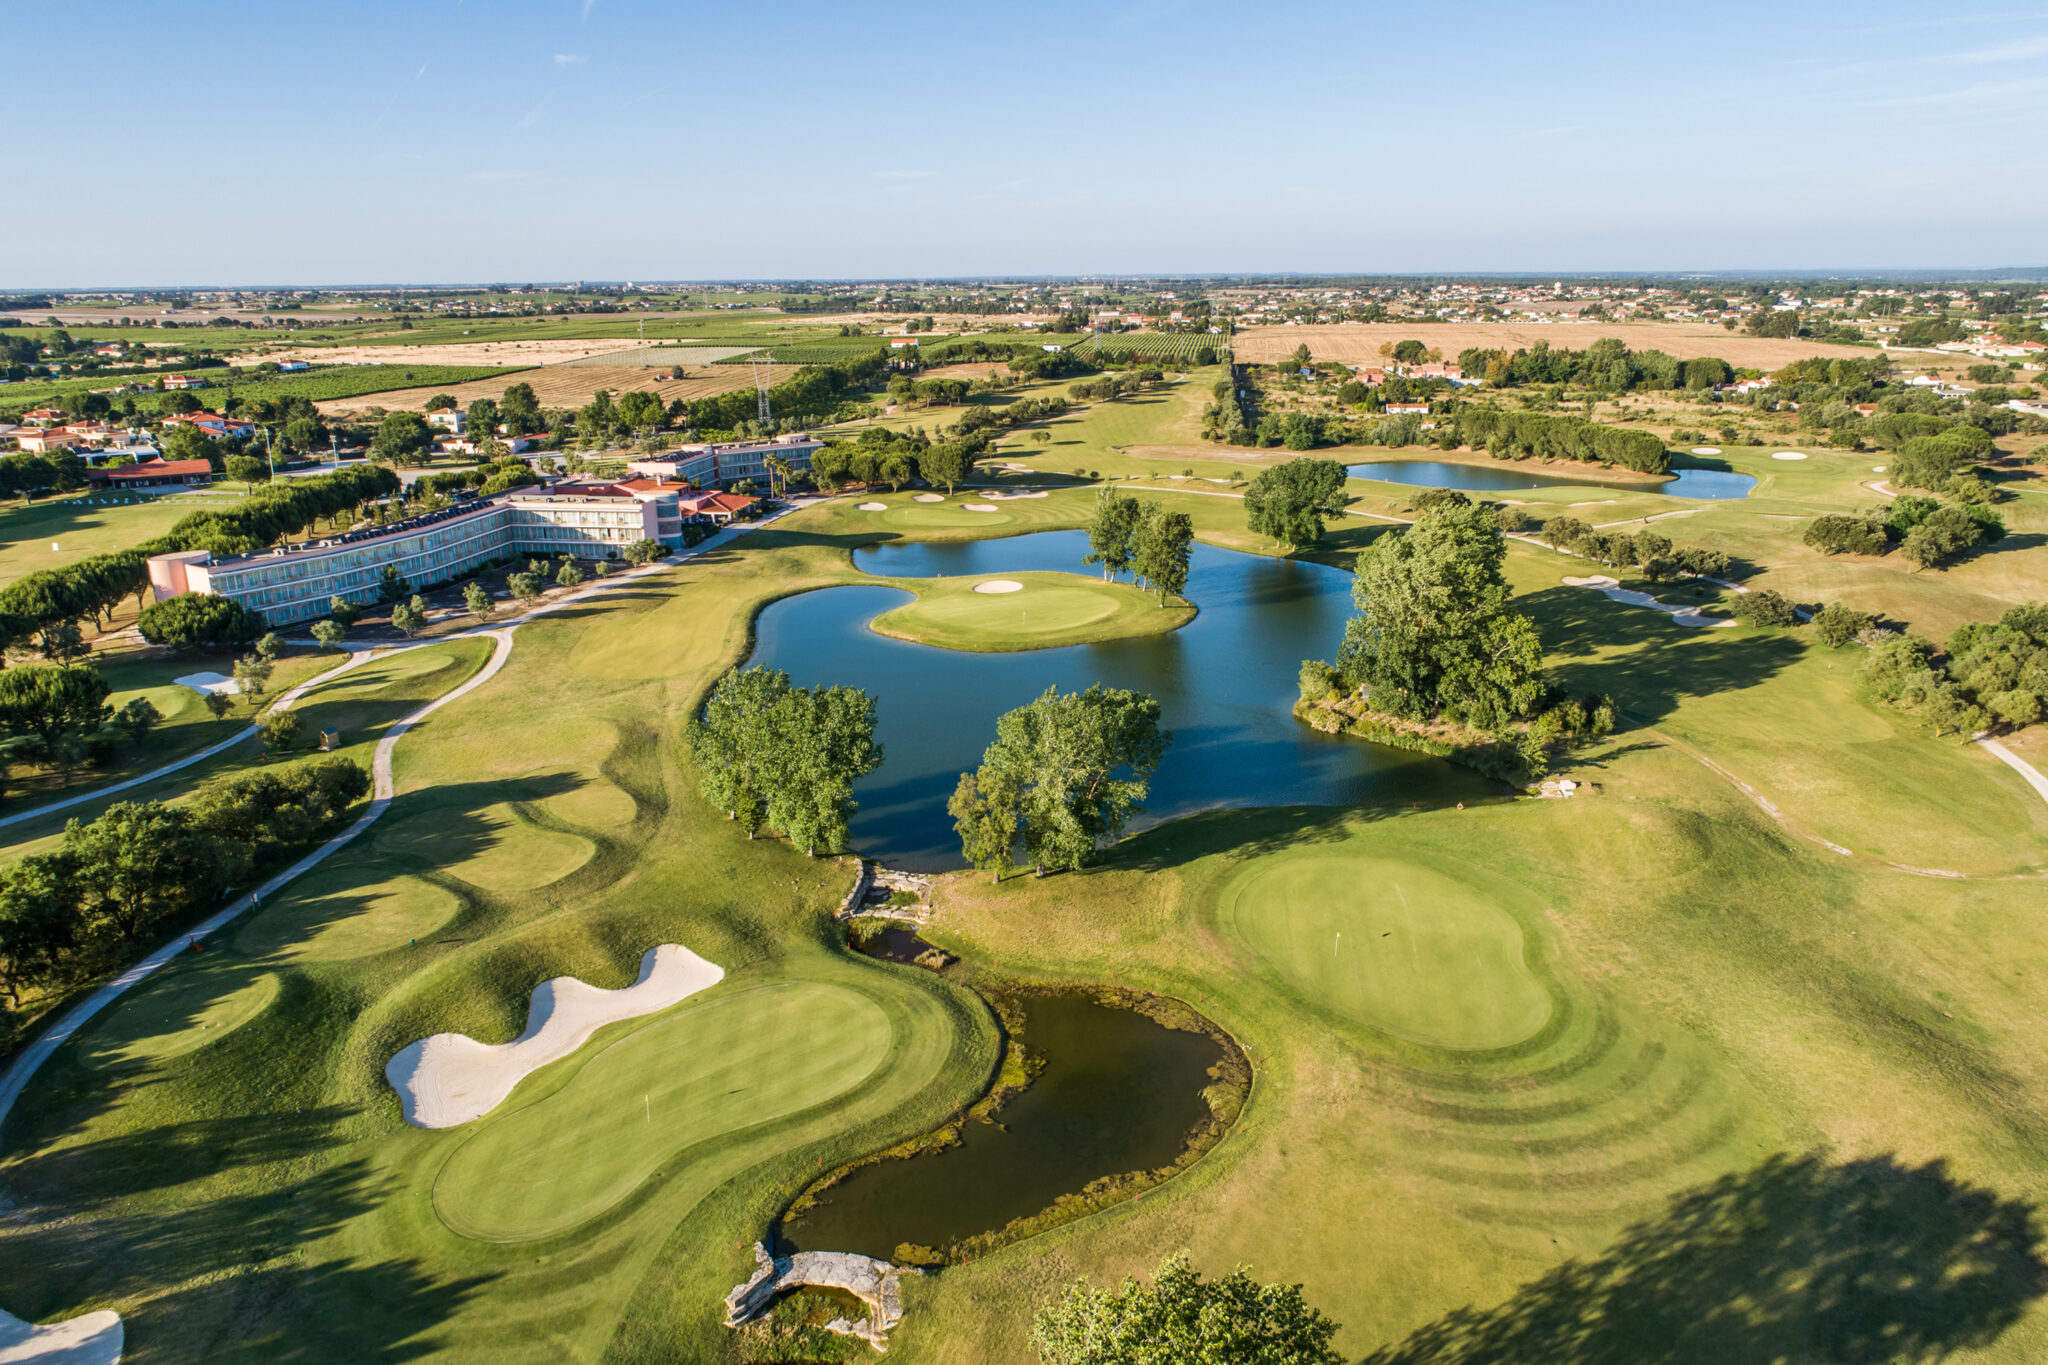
x,y
465,140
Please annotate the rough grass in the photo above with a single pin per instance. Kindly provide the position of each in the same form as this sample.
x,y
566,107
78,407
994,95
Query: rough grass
x,y
1052,609
83,524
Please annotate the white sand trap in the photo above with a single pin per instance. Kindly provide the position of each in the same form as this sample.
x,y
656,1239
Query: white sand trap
x,y
451,1078
1706,450
204,683
1877,469
89,1339
930,497
1788,455
977,507
874,507
999,585
1684,616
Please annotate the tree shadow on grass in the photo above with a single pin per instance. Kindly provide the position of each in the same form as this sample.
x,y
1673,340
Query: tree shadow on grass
x,y
245,1288
1662,663
1799,1259
1241,834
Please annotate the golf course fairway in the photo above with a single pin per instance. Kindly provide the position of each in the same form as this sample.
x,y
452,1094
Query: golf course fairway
x,y
1028,611
713,1067
1395,945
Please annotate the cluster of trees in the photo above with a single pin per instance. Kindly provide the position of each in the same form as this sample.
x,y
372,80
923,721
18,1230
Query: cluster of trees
x,y
1143,536
1607,366
143,866
812,392
1929,533
785,756
1991,671
48,604
1114,386
280,510
1516,435
1657,556
1290,501
25,473
195,620
1065,774
1179,1319
57,715
1435,639
1233,419
882,456
1945,462
1023,412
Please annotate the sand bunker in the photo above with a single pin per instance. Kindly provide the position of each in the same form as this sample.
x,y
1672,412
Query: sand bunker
x,y
451,1078
977,507
209,682
1684,616
1706,450
931,497
1788,455
89,1339
999,585
874,507
1877,469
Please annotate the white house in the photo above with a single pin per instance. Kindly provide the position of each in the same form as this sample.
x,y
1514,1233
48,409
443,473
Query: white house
x,y
454,420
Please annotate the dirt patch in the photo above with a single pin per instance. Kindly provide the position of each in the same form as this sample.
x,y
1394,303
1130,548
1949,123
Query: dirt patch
x,y
1360,345
452,353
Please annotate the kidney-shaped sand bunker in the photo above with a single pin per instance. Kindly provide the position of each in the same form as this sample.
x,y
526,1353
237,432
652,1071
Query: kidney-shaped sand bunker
x,y
716,1065
1396,945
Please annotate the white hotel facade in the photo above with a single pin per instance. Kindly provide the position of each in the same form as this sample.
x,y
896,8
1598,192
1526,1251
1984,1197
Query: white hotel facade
x,y
295,582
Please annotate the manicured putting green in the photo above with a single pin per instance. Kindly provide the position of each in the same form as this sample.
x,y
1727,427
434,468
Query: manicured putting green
x,y
331,917
720,1063
180,1013
1028,611
1395,945
491,848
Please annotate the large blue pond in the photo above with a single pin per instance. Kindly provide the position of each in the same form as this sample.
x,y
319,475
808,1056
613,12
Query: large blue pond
x,y
1226,684
1712,484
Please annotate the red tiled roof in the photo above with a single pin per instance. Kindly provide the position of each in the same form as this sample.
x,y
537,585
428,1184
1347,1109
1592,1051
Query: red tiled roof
x,y
158,469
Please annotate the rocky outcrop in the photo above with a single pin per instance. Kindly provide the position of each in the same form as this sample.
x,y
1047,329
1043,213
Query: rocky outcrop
x,y
875,1283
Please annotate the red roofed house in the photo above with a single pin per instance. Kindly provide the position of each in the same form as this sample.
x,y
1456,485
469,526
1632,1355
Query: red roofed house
x,y
717,508
1407,409
155,474
43,417
42,440
183,381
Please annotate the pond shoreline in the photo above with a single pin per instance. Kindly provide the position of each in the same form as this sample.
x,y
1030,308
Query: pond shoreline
x,y
1230,1084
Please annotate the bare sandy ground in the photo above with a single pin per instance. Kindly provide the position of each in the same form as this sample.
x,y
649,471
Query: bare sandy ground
x,y
89,1339
1360,345
451,1078
1614,592
552,352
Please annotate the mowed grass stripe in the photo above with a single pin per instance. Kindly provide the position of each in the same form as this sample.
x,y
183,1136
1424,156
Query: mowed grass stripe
x,y
728,1063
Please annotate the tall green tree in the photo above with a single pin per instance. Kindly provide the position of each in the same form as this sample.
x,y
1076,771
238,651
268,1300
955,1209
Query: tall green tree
x,y
141,863
785,756
1433,635
403,438
1113,531
1179,1319
1078,764
519,410
39,921
1165,545
986,822
56,703
1288,502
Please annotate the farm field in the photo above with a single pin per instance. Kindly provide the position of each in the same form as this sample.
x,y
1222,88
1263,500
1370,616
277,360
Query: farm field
x,y
1359,344
567,386
1655,1048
